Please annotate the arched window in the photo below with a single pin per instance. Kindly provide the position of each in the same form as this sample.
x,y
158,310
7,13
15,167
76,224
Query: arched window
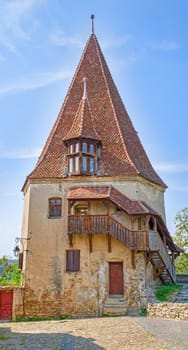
x,y
55,207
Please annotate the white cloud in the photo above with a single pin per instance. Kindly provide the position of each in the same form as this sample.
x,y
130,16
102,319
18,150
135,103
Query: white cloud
x,y
35,82
21,154
171,167
166,45
12,21
58,38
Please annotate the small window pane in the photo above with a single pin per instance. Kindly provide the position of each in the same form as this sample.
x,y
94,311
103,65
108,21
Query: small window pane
x,y
91,165
84,147
71,148
77,147
58,211
84,163
71,165
76,164
52,212
91,148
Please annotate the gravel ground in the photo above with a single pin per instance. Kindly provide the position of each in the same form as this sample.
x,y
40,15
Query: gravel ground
x,y
172,333
112,333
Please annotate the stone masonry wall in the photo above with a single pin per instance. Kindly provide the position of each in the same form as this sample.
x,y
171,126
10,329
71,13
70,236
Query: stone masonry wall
x,y
169,310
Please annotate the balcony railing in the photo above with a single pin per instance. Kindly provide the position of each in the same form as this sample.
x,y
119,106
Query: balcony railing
x,y
104,224
137,240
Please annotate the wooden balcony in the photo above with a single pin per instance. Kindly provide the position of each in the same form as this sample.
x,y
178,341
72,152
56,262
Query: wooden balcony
x,y
104,224
137,240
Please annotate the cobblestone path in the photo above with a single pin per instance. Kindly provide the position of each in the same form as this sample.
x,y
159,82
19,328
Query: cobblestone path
x,y
113,333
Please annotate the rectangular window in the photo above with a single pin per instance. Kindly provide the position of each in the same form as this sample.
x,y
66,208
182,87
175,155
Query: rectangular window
x,y
84,147
91,165
77,164
84,164
91,148
71,148
55,207
72,260
70,165
77,147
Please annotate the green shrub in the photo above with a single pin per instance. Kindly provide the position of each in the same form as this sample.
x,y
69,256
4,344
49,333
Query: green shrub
x,y
165,293
11,275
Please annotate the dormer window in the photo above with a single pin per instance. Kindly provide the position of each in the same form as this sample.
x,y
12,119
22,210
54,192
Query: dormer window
x,y
84,147
82,158
82,141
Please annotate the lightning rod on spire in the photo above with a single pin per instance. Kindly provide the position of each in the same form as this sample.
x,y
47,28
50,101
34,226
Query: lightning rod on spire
x,y
92,23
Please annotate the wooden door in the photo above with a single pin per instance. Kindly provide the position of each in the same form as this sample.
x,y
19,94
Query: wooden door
x,y
6,300
116,278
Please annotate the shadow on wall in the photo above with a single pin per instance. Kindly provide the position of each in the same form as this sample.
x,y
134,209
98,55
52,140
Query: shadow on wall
x,y
47,341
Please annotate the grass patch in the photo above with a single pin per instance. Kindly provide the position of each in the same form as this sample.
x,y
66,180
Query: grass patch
x,y
23,341
165,293
4,336
34,318
143,311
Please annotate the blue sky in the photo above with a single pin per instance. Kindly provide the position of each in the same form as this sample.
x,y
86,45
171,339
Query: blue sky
x,y
146,48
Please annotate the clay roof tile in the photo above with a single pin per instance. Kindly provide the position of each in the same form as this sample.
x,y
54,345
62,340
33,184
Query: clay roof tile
x,y
102,116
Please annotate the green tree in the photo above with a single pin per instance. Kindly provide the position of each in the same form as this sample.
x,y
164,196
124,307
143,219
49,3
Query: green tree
x,y
3,260
181,239
11,275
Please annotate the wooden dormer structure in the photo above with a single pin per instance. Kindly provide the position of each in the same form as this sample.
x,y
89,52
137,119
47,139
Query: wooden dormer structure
x,y
94,206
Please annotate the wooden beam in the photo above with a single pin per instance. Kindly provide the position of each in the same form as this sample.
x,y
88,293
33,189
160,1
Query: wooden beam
x,y
90,243
109,243
133,262
160,270
71,240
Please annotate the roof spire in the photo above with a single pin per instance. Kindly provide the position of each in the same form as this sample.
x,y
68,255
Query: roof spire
x,y
92,23
85,89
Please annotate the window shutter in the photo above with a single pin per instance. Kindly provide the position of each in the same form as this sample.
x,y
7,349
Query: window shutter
x,y
20,261
73,260
70,260
76,260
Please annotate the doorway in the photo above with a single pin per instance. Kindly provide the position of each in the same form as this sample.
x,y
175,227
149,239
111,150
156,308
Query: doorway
x,y
6,300
116,278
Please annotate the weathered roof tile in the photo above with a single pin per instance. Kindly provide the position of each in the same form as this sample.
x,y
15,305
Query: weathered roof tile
x,y
122,151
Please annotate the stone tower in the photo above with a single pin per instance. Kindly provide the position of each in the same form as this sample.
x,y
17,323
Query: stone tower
x,y
94,207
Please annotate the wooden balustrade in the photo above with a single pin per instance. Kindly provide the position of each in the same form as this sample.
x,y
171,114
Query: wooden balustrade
x,y
137,240
104,224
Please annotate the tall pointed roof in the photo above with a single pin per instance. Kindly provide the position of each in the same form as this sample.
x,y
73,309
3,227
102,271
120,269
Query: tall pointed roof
x,y
122,151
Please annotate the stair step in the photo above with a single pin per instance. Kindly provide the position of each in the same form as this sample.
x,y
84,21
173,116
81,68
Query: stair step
x,y
115,306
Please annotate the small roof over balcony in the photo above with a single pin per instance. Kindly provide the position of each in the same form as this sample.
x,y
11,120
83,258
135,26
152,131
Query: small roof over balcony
x,y
131,207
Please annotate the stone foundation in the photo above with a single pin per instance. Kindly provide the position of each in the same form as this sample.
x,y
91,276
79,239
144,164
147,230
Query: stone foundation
x,y
169,310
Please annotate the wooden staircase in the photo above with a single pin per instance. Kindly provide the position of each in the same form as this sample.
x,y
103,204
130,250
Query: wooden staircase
x,y
149,242
160,259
